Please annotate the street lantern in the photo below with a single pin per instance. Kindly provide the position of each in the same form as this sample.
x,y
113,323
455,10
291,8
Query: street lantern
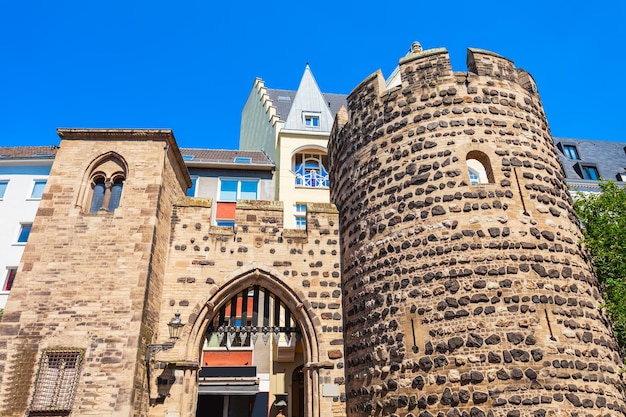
x,y
175,327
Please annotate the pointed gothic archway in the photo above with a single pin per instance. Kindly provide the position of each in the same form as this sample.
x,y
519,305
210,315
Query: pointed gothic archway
x,y
253,324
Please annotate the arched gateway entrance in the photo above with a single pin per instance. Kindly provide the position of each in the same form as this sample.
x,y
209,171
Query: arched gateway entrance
x,y
253,338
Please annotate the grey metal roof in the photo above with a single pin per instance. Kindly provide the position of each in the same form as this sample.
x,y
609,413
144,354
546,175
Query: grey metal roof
x,y
335,101
226,158
608,157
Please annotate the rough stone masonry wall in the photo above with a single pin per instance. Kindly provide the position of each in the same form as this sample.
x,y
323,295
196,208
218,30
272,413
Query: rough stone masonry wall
x,y
301,267
82,282
460,299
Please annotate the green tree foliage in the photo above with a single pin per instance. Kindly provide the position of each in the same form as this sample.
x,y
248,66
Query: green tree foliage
x,y
603,216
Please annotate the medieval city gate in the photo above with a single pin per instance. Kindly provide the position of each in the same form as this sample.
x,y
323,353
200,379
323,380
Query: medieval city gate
x,y
253,339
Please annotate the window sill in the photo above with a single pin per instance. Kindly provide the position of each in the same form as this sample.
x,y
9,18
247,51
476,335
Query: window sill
x,y
312,188
19,244
33,199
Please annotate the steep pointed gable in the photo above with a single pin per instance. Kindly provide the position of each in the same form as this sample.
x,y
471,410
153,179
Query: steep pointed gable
x,y
309,111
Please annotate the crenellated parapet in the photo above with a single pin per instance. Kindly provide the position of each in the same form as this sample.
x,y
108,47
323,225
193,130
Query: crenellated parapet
x,y
465,288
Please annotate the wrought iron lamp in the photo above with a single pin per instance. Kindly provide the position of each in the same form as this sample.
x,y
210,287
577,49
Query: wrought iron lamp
x,y
175,327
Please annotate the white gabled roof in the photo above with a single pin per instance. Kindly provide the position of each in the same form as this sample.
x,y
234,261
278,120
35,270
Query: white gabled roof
x,y
309,100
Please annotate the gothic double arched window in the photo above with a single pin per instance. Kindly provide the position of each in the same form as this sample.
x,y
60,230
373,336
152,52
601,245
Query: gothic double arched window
x,y
105,184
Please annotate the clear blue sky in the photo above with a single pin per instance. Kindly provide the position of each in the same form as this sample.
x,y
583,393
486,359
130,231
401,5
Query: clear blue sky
x,y
189,65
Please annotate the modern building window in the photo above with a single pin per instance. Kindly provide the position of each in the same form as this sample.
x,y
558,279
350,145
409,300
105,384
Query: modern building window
x,y
56,382
238,189
311,120
571,152
300,216
231,190
590,172
3,188
225,222
22,237
310,170
191,191
10,277
38,188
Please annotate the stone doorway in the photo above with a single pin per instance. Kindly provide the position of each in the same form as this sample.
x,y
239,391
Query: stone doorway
x,y
256,342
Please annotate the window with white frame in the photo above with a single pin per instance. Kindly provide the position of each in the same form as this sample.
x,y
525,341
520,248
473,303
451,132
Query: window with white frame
x,y
22,236
225,222
231,190
311,119
56,381
238,189
300,216
310,170
9,279
3,188
38,187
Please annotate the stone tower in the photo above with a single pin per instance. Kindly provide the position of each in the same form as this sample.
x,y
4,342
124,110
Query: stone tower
x,y
87,295
466,292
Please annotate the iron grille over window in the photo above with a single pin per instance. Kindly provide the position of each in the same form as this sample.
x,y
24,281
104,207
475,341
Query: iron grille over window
x,y
57,378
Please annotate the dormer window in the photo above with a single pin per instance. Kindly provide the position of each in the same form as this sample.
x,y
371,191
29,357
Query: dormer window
x,y
571,152
590,172
311,119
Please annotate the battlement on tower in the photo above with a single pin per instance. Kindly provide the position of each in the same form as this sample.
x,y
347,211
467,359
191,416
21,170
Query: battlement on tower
x,y
427,68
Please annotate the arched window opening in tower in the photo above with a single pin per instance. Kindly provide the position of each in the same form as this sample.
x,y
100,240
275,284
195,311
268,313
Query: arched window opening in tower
x,y
479,168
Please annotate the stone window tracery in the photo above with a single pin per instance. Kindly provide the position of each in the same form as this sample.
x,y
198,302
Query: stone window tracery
x,y
106,192
104,184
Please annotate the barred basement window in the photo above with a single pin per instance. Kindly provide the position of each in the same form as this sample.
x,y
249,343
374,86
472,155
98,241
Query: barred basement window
x,y
56,382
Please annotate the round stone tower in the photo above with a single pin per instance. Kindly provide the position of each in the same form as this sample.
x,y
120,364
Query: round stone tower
x,y
466,292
